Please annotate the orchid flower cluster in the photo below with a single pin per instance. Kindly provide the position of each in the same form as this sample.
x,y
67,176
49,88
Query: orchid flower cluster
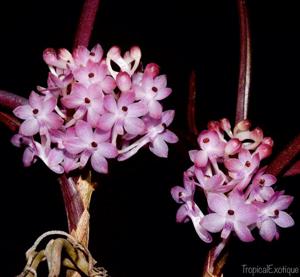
x,y
240,195
94,108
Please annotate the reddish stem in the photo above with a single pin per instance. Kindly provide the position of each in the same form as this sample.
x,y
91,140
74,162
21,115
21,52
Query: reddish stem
x,y
11,100
86,23
10,121
284,158
245,64
73,203
191,109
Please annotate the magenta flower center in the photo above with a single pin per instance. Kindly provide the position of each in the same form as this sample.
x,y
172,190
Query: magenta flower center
x,y
247,164
92,54
35,111
91,75
205,140
124,109
276,213
230,212
154,89
87,100
261,182
94,144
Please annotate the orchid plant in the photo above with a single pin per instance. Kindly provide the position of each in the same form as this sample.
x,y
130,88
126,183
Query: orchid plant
x,y
98,106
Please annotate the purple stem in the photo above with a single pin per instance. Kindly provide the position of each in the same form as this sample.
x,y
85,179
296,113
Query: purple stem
x,y
73,203
86,23
191,109
11,100
10,121
245,64
283,159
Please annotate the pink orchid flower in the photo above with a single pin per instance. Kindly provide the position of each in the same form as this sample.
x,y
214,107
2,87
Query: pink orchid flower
x,y
230,214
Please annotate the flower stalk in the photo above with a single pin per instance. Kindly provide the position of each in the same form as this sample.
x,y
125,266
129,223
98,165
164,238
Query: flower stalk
x,y
245,63
191,109
285,157
10,100
86,23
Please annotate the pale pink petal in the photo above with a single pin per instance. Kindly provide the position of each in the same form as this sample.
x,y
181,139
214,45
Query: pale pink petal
x,y
167,117
107,150
218,203
160,81
201,159
96,53
74,145
108,84
244,156
35,100
123,81
159,148
213,222
94,91
182,214
93,117
126,99
283,202
84,157
228,226
233,164
137,109
81,55
246,213
269,179
84,131
101,136
214,181
155,109
243,232
192,154
53,121
55,157
23,112
267,230
169,137
71,102
106,121
29,127
284,220
49,105
99,163
179,194
134,125
200,230
266,193
163,93
110,104
28,157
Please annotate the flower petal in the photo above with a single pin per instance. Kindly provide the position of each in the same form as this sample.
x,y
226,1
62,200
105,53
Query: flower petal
x,y
218,203
243,232
267,230
23,112
99,163
29,127
213,222
137,109
159,148
134,126
284,220
84,131
155,109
